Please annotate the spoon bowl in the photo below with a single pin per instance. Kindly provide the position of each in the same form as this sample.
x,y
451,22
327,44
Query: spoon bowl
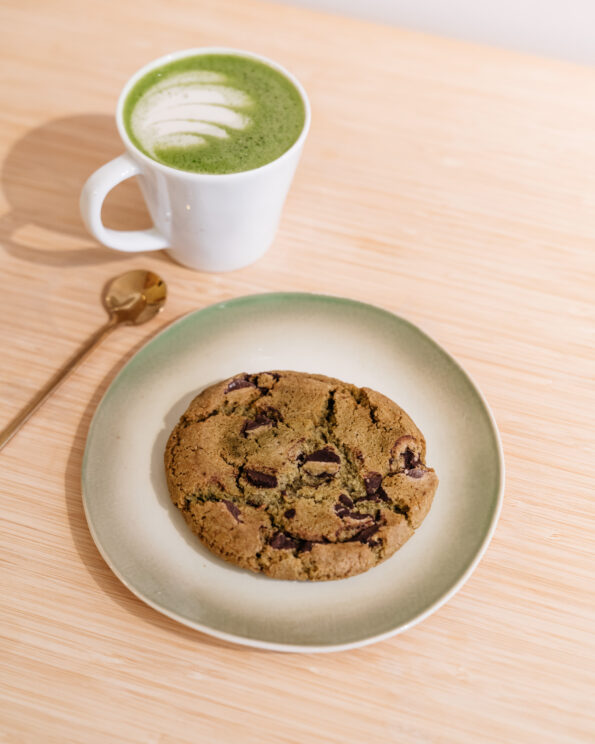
x,y
135,297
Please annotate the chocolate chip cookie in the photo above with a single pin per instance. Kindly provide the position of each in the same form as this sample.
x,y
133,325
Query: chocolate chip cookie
x,y
299,476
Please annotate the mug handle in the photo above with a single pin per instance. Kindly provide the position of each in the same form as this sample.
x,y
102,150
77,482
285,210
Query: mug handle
x,y
93,194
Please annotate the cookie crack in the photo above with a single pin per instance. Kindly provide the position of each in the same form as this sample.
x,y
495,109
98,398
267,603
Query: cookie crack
x,y
325,425
362,399
187,421
239,475
359,396
302,543
264,391
329,425
329,414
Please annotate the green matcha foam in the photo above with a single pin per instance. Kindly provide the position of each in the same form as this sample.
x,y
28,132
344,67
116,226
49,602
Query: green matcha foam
x,y
214,113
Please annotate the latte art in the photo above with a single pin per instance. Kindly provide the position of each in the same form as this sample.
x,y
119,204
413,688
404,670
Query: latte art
x,y
178,111
214,113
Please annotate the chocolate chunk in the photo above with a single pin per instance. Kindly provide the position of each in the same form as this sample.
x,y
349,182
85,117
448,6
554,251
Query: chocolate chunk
x,y
318,469
323,462
257,425
289,514
326,454
233,510
344,499
372,483
280,541
410,459
405,454
306,546
342,511
264,380
238,384
364,535
380,495
416,473
262,480
294,451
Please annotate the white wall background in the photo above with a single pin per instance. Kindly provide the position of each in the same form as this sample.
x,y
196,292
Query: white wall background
x,y
555,28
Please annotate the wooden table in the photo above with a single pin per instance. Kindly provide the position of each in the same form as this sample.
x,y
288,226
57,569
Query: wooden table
x,y
451,183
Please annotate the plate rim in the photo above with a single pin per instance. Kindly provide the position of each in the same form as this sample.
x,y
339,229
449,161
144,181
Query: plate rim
x,y
293,647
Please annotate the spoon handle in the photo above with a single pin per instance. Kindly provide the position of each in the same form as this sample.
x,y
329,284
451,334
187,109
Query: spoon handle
x,y
55,382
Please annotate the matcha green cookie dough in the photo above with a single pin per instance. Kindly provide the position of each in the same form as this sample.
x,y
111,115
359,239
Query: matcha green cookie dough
x,y
299,476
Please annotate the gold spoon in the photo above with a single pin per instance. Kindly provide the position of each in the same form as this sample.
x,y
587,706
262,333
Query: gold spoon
x,y
131,299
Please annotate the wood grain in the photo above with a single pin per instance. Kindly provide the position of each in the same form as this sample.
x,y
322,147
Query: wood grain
x,y
451,183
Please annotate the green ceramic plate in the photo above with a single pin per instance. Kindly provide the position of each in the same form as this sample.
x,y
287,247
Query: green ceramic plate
x,y
147,544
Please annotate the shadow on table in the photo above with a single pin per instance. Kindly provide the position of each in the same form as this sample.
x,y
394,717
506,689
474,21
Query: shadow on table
x,y
42,177
97,568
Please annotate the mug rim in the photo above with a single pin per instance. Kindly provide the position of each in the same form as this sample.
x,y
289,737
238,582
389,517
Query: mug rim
x,y
199,51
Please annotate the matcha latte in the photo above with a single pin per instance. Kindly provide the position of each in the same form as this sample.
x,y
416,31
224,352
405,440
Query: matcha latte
x,y
214,113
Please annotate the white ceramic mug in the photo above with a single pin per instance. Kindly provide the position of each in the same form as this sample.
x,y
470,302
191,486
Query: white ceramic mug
x,y
210,222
